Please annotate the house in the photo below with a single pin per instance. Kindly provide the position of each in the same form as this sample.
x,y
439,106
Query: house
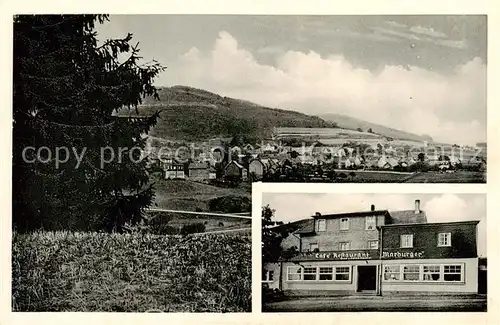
x,y
173,168
379,252
235,170
387,163
199,172
256,168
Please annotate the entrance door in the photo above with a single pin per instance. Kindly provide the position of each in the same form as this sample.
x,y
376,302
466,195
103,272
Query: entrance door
x,y
367,278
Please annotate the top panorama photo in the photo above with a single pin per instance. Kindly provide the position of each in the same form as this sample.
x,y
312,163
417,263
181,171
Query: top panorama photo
x,y
361,99
336,99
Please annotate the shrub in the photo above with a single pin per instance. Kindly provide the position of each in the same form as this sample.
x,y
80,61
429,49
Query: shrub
x,y
230,204
192,228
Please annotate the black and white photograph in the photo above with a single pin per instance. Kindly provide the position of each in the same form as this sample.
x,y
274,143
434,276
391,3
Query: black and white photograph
x,y
137,138
373,252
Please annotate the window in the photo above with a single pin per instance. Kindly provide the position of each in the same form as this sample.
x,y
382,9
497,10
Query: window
x,y
344,246
321,224
373,244
326,273
406,241
313,247
309,273
411,272
452,273
321,273
370,222
294,273
392,273
444,239
424,273
343,273
267,276
344,224
432,272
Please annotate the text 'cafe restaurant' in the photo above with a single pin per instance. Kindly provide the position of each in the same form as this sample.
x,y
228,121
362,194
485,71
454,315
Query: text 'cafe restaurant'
x,y
377,252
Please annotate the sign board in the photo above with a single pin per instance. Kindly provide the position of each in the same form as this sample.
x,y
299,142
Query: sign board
x,y
338,255
402,255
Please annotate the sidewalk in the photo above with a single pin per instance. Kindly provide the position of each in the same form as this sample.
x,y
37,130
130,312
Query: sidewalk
x,y
380,303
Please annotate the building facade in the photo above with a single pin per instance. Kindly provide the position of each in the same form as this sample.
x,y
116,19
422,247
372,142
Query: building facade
x,y
379,252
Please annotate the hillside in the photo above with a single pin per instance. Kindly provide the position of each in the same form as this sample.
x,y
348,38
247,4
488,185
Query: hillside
x,y
194,114
348,122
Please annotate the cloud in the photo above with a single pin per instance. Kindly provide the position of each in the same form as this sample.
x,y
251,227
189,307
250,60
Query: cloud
x,y
394,24
396,33
450,108
429,31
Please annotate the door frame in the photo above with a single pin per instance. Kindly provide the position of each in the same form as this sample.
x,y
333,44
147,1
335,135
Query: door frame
x,y
376,278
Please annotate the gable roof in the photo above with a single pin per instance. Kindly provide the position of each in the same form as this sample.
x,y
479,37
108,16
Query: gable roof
x,y
307,228
236,163
407,217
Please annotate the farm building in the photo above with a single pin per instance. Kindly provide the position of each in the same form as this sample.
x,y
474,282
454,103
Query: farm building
x,y
199,171
378,252
173,168
235,170
257,168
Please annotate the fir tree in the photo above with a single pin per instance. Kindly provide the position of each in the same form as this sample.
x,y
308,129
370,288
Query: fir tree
x,y
67,90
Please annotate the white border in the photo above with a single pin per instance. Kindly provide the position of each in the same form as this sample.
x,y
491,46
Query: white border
x,y
10,7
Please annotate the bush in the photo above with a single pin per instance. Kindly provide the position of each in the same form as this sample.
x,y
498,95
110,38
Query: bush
x,y
78,271
230,204
192,228
271,295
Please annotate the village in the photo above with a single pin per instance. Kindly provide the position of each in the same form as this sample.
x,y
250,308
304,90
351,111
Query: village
x,y
294,159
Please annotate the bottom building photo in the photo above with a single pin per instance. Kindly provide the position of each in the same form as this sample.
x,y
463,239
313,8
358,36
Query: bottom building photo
x,y
373,252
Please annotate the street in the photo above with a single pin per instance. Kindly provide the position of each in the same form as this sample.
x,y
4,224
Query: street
x,y
330,304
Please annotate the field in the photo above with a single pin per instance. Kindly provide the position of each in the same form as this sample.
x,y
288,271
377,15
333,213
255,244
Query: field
x,y
189,195
63,271
373,176
461,176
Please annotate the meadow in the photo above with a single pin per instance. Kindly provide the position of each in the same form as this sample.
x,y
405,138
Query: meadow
x,y
72,271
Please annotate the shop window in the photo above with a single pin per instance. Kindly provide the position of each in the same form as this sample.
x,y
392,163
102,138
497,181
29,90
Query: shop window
x,y
373,244
344,246
344,224
432,273
294,273
309,273
342,273
452,273
411,272
392,273
370,222
321,225
406,241
326,273
444,239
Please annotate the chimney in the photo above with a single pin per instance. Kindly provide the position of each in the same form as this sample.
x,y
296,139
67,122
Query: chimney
x,y
318,214
373,207
417,206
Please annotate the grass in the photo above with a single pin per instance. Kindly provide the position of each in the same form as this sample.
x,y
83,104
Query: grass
x,y
461,176
64,271
189,195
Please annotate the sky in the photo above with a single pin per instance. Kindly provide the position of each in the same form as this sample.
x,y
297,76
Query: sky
x,y
438,207
421,74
